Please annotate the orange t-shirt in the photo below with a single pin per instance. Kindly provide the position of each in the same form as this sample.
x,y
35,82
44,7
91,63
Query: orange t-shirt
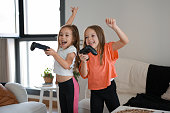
x,y
99,75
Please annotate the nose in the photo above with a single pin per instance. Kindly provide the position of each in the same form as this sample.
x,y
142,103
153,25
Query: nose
x,y
61,37
89,38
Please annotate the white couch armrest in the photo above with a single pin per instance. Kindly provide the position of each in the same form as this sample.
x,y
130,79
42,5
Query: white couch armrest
x,y
18,90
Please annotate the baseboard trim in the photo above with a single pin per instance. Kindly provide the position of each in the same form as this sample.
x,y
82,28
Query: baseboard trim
x,y
46,102
44,97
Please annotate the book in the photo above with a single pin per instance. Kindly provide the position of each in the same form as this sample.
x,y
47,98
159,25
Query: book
x,y
47,85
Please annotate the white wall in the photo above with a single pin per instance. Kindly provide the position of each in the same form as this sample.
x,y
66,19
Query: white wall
x,y
146,23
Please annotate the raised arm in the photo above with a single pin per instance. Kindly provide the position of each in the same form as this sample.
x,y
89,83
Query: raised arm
x,y
74,12
122,36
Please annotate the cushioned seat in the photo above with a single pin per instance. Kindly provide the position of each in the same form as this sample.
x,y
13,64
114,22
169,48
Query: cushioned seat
x,y
131,80
23,105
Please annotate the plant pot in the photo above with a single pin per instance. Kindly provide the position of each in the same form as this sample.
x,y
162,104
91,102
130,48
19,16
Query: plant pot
x,y
48,79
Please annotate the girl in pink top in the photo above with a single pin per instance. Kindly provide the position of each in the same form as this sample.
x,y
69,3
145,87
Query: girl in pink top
x,y
100,69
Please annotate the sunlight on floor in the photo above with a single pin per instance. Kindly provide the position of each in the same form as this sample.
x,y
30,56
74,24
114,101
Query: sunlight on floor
x,y
54,110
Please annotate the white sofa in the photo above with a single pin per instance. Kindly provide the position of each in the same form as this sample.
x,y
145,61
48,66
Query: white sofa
x,y
24,106
131,80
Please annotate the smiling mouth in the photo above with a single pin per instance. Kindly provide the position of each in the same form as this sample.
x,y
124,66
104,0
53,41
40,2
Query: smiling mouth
x,y
63,43
91,43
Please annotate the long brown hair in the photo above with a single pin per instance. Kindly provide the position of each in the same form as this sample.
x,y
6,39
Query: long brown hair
x,y
76,42
101,37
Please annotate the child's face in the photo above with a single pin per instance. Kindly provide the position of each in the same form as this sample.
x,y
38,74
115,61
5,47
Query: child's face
x,y
65,38
91,38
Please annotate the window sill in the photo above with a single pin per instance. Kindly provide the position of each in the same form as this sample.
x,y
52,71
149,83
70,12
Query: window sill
x,y
44,97
36,92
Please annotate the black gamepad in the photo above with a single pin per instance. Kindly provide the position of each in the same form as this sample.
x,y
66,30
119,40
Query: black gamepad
x,y
39,46
88,49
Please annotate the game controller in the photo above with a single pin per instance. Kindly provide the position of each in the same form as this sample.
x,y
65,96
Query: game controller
x,y
88,49
39,46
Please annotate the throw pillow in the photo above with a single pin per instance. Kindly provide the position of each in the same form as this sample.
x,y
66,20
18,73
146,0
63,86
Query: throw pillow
x,y
6,97
166,95
158,78
18,90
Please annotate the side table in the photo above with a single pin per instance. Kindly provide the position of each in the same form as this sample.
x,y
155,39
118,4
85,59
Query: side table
x,y
50,89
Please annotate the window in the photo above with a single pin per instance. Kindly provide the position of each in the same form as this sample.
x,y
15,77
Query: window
x,y
40,21
34,62
41,16
31,20
8,18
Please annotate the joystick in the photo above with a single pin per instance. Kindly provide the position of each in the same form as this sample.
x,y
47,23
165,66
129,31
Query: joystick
x,y
88,49
40,46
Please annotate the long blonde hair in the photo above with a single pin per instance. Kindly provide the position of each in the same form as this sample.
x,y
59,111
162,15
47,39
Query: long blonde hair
x,y
101,37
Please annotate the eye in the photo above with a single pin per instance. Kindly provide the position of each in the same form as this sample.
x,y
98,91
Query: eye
x,y
60,34
67,35
93,35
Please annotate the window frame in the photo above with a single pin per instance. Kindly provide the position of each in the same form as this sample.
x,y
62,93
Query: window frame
x,y
16,34
37,37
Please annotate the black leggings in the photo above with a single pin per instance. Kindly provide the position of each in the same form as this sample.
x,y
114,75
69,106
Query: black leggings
x,y
66,96
107,95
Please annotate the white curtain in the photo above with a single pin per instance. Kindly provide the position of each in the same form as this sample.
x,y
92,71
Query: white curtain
x,y
7,60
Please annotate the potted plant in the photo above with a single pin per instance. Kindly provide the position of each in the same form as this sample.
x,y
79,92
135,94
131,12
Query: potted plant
x,y
48,77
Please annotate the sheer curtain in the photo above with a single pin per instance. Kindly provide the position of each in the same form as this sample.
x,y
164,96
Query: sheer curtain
x,y
4,64
7,60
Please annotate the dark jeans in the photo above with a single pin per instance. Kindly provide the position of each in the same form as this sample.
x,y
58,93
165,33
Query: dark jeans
x,y
107,95
66,96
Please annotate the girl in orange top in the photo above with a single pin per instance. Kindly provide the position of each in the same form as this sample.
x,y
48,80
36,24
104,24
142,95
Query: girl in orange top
x,y
100,69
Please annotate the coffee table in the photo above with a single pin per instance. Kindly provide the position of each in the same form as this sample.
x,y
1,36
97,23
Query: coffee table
x,y
121,108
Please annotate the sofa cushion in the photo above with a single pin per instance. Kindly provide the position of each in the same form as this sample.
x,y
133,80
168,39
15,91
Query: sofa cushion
x,y
6,96
166,95
124,97
84,106
131,76
25,107
18,90
158,78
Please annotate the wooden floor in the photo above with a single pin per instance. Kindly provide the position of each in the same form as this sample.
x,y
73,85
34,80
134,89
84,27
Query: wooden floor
x,y
54,110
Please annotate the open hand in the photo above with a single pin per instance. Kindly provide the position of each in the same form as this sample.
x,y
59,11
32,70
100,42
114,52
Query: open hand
x,y
74,10
111,22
